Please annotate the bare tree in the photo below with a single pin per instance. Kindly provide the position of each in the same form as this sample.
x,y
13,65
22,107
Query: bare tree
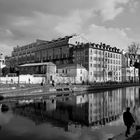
x,y
133,52
133,48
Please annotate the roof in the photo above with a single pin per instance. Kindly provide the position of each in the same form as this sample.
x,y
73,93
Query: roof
x,y
37,64
71,66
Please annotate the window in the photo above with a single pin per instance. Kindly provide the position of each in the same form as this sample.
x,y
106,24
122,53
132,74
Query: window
x,y
95,58
86,65
91,58
108,61
86,59
51,77
86,52
95,51
91,52
81,71
66,71
80,78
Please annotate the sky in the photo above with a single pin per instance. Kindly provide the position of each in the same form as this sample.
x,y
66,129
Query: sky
x,y
114,22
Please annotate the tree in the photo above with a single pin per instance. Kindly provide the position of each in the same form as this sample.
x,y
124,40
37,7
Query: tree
x,y
5,71
132,52
133,49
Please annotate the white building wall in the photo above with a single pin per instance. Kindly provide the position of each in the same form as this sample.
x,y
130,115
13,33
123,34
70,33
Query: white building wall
x,y
2,62
101,63
24,79
67,71
81,75
73,75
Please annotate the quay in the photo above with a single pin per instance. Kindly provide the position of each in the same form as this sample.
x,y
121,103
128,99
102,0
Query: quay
x,y
134,136
29,91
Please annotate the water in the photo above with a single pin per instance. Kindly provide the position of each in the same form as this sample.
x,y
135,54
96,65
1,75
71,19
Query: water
x,y
83,117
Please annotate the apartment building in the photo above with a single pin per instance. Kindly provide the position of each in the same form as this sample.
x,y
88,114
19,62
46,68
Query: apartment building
x,y
56,51
102,61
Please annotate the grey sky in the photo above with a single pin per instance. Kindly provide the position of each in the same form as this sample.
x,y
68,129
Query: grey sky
x,y
115,22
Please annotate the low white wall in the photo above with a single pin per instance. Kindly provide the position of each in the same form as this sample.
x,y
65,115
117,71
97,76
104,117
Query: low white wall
x,y
37,80
22,79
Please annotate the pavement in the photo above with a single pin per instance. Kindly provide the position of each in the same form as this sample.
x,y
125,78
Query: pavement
x,y
135,135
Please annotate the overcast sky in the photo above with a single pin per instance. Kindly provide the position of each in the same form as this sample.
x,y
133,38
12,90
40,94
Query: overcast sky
x,y
114,22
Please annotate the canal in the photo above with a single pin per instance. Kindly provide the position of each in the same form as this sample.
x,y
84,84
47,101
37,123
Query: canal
x,y
86,116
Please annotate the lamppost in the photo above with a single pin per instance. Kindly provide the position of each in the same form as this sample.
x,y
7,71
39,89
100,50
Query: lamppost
x,y
104,64
1,66
0,72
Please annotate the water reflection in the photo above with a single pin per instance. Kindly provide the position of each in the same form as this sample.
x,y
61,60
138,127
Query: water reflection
x,y
92,109
5,118
86,109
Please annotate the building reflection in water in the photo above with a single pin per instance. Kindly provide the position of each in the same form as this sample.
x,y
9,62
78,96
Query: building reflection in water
x,y
90,109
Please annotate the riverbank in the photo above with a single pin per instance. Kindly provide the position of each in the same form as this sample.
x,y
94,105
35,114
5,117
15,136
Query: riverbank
x,y
105,86
39,90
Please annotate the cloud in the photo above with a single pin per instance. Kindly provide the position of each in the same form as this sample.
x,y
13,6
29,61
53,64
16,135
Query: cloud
x,y
5,49
39,26
111,36
133,5
23,21
109,14
5,33
74,23
109,9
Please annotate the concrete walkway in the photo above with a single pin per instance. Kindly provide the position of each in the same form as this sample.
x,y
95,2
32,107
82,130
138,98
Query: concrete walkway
x,y
135,135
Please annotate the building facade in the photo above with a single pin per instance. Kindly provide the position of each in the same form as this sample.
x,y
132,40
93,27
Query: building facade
x,y
2,63
78,72
102,61
56,51
46,69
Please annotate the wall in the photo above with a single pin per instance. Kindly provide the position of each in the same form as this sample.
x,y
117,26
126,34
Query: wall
x,y
82,73
73,75
70,72
130,74
22,79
